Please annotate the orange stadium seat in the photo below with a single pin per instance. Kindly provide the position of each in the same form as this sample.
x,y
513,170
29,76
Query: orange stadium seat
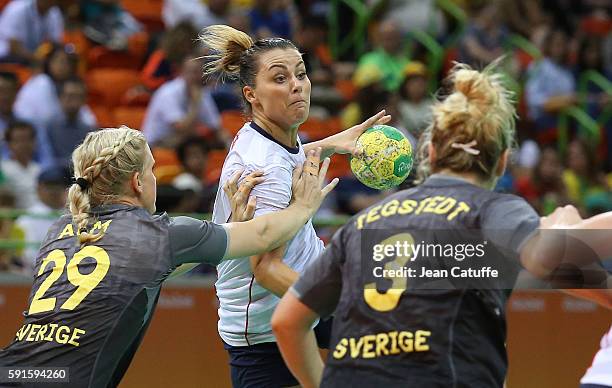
x,y
315,129
103,115
166,174
232,121
132,116
109,85
22,72
165,157
133,58
3,3
147,12
214,164
339,167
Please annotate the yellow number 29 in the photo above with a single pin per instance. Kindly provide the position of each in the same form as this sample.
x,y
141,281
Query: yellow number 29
x,y
84,283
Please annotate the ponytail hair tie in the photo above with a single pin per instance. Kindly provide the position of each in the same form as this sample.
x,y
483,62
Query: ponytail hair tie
x,y
83,183
467,147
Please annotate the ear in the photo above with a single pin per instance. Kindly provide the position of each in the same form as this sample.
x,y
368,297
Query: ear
x,y
431,151
249,94
503,163
136,184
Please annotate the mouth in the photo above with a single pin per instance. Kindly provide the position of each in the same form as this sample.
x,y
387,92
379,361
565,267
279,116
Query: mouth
x,y
298,102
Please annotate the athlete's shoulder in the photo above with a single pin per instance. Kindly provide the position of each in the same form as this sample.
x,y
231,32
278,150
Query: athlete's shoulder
x,y
252,148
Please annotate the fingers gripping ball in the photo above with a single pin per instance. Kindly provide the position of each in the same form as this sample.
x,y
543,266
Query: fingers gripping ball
x,y
386,159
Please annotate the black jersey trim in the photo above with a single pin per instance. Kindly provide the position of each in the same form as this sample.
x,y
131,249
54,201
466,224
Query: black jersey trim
x,y
246,323
262,132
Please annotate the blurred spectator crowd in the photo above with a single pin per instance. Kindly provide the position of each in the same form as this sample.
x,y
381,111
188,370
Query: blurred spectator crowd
x,y
68,67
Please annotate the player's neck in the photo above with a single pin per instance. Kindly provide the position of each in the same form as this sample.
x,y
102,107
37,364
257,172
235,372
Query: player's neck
x,y
474,179
125,200
287,137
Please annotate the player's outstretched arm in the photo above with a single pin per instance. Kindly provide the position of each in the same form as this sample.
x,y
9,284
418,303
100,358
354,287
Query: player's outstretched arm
x,y
547,250
271,230
291,323
344,142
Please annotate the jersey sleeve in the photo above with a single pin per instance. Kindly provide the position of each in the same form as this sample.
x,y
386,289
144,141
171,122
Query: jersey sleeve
x,y
195,241
320,285
274,193
509,222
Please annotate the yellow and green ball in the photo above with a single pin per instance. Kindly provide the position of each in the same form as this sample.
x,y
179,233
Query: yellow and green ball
x,y
386,160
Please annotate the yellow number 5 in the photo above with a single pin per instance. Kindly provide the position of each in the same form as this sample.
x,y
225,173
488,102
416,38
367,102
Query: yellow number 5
x,y
84,283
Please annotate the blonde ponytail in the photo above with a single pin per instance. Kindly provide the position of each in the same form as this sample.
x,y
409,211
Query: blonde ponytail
x,y
227,45
471,127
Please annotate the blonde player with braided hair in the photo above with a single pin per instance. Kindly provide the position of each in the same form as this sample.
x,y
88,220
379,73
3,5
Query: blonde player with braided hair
x,y
100,268
445,327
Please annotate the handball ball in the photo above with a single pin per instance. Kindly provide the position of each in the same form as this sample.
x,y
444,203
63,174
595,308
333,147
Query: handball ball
x,y
386,159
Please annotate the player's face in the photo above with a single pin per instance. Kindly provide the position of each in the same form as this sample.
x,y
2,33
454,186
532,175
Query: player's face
x,y
149,183
282,88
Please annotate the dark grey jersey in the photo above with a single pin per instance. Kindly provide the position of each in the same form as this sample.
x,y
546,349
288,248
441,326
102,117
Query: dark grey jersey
x,y
90,305
389,332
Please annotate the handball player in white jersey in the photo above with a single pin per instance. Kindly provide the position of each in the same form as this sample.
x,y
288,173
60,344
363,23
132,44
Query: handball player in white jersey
x,y
276,92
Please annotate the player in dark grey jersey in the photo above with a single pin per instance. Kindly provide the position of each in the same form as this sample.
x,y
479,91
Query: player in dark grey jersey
x,y
99,270
401,330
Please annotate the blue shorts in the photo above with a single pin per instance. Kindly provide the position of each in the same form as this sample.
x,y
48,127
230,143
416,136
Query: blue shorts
x,y
262,366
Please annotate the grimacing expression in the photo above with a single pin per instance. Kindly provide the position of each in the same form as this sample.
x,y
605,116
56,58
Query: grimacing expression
x,y
282,88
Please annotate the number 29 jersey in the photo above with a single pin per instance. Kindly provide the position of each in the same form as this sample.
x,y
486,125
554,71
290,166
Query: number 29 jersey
x,y
90,305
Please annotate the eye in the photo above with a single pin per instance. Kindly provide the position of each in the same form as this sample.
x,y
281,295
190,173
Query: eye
x,y
301,75
280,79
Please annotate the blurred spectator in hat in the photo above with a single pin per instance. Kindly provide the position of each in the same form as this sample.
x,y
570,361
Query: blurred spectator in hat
x,y
193,153
68,129
20,170
10,258
370,91
25,25
388,56
108,24
550,83
485,35
164,63
415,104
198,13
183,107
38,100
51,199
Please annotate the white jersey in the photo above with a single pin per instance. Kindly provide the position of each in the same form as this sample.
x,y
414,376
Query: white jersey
x,y
246,307
600,371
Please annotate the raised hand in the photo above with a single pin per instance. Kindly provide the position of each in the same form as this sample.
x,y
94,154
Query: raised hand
x,y
308,180
243,207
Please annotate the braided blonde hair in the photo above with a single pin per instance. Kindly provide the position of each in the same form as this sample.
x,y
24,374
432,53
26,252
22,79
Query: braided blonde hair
x,y
479,112
106,160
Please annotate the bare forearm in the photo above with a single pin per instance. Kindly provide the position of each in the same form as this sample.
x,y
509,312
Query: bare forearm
x,y
266,232
326,147
275,276
291,324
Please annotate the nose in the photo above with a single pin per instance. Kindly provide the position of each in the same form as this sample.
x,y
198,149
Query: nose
x,y
298,85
